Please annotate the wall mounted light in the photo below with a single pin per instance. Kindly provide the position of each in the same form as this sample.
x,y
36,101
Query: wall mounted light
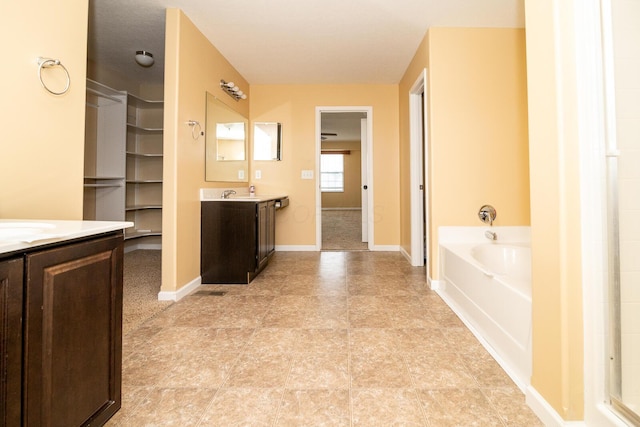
x,y
144,58
232,90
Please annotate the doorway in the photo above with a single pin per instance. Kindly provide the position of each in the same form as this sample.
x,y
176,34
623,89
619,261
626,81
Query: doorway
x,y
419,143
343,198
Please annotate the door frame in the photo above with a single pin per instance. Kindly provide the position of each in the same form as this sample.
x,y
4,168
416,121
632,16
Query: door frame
x,y
419,148
368,110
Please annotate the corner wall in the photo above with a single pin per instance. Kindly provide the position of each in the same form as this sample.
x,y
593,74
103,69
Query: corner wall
x,y
193,66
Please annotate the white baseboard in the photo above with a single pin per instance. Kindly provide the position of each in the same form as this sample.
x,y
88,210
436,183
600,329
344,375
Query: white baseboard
x,y
405,254
546,413
180,293
386,248
437,285
296,248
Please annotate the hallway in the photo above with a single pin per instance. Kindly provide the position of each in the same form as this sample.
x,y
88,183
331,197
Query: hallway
x,y
319,338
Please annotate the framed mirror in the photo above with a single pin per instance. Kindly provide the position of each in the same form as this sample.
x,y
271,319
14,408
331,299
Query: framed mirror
x,y
226,147
267,141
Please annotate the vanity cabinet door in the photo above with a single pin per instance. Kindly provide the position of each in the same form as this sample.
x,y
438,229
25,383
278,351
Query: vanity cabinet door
x,y
73,333
11,285
228,246
263,234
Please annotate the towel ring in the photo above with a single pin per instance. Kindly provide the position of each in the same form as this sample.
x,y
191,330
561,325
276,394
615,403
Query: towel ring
x,y
195,134
48,63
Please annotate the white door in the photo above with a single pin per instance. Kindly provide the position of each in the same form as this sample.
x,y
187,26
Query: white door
x,y
365,186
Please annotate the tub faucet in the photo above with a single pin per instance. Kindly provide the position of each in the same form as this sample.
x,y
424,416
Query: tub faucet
x,y
227,193
491,235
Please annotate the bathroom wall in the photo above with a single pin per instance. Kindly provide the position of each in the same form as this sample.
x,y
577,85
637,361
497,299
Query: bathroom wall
x,y
193,66
42,135
477,128
557,335
295,107
351,197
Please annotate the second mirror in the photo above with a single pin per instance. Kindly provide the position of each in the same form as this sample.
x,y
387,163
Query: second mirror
x,y
267,141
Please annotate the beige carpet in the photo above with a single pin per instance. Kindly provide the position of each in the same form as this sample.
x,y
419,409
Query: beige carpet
x,y
342,230
142,276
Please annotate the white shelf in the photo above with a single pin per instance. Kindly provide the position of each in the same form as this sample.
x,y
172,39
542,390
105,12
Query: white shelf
x,y
143,161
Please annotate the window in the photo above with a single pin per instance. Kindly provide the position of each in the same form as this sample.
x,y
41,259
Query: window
x,y
332,173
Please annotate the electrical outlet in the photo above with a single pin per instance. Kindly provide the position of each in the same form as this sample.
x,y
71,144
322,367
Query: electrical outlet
x,y
241,174
258,174
307,174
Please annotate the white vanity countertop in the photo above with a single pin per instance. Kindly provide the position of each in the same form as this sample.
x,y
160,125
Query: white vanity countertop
x,y
213,195
20,234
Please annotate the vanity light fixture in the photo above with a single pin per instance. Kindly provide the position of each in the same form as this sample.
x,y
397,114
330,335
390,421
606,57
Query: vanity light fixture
x,y
232,90
144,58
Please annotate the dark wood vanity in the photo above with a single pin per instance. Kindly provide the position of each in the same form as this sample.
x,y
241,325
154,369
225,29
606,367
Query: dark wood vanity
x,y
237,239
61,332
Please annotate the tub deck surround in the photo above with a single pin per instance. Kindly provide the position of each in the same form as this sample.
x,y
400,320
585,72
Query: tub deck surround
x,y
488,285
20,234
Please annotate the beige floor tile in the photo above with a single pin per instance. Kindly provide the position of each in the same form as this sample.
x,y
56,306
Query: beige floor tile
x,y
443,370
329,338
378,370
266,370
458,407
315,408
510,404
386,407
171,407
319,371
243,407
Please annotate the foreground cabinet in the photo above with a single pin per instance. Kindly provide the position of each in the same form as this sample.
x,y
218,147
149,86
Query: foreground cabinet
x,y
71,342
237,240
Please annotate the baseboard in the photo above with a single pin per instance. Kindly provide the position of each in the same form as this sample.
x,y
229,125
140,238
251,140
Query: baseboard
x,y
436,285
386,248
296,248
405,254
546,413
180,293
356,208
142,246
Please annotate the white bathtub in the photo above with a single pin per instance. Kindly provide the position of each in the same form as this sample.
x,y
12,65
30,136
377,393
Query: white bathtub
x,y
488,285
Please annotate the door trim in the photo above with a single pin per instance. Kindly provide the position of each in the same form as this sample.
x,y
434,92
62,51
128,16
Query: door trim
x,y
368,110
420,156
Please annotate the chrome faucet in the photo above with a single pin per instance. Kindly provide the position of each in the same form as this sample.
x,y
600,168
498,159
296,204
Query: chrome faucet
x,y
227,193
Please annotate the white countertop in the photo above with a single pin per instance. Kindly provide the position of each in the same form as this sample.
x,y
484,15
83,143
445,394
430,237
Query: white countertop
x,y
214,195
19,234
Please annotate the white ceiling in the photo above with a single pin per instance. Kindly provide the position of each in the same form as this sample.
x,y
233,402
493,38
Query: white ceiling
x,y
291,41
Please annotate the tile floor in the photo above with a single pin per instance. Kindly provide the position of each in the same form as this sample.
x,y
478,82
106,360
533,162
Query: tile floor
x,y
318,339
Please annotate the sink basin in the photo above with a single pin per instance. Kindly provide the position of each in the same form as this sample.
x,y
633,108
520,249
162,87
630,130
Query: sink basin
x,y
25,231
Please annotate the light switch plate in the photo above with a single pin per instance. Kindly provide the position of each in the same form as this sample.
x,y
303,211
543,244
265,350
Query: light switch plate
x,y
241,174
307,174
258,174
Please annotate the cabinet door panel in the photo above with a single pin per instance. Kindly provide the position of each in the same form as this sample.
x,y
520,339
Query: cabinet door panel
x,y
10,341
73,333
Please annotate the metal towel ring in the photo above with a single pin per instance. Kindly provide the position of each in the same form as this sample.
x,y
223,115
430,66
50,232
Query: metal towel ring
x,y
195,134
48,63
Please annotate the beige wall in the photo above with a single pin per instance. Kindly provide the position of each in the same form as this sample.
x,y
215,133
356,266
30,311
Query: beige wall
x,y
294,106
477,128
193,66
351,197
555,207
42,135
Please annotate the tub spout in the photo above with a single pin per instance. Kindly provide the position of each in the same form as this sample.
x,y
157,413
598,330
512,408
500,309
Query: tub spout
x,y
491,235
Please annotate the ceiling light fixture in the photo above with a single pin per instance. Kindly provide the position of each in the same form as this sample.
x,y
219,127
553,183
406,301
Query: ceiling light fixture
x,y
232,90
144,58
